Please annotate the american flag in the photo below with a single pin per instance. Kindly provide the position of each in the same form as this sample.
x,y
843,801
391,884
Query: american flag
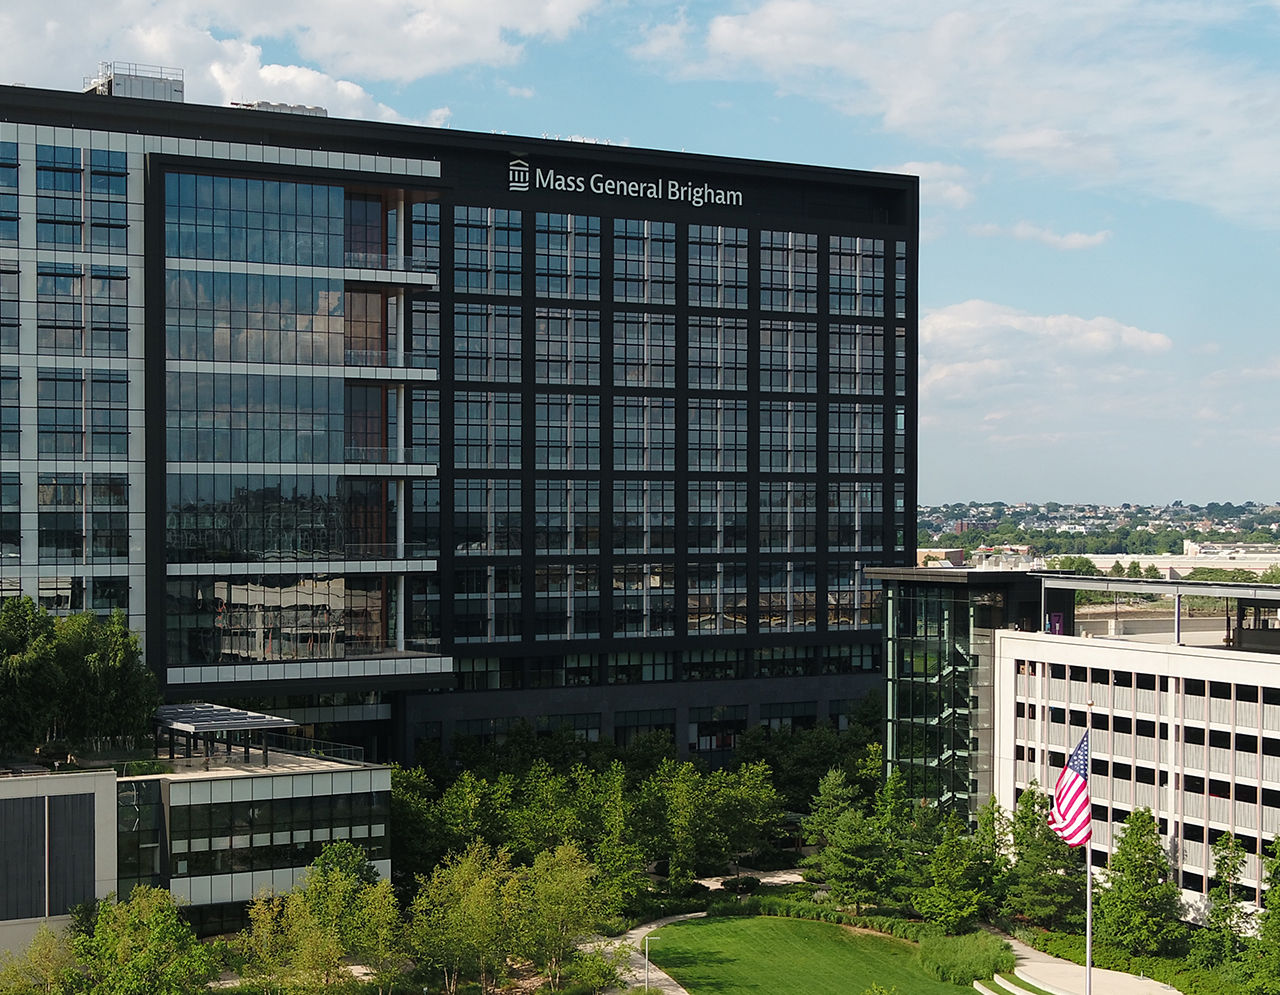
x,y
1072,814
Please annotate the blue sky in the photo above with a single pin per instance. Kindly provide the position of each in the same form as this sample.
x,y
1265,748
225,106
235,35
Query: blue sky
x,y
1099,272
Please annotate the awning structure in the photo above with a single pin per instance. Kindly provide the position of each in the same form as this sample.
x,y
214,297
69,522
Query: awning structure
x,y
202,718
213,724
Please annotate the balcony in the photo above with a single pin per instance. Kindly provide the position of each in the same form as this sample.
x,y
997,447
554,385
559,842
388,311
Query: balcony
x,y
382,358
379,267
384,455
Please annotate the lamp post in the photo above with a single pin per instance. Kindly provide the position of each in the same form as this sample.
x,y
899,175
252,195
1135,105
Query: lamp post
x,y
646,964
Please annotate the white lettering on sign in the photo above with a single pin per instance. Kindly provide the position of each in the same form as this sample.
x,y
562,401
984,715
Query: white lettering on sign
x,y
523,177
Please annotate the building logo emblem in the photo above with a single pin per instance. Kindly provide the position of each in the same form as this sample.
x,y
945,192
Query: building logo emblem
x,y
518,175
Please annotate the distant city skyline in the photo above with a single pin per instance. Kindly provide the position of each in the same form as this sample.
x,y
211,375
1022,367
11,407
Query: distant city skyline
x,y
1100,198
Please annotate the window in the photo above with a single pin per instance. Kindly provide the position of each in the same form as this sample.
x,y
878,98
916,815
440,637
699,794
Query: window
x,y
8,216
567,346
486,250
644,516
486,343
788,271
644,602
60,412
59,309
486,430
788,593
644,262
566,432
788,355
567,256
486,516
567,516
8,165
644,350
856,438
61,509
644,433
717,598
717,434
10,519
718,516
717,266
8,306
787,435
788,516
717,353
856,359
857,276
10,423
252,220
108,311
108,413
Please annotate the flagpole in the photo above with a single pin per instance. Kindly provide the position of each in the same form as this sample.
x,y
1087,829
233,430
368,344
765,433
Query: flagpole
x,y
1088,866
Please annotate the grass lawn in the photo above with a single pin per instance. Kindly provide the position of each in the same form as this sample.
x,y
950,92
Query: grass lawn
x,y
733,956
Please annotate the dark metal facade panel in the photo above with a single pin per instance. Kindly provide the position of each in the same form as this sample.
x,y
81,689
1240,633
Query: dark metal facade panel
x,y
72,846
22,858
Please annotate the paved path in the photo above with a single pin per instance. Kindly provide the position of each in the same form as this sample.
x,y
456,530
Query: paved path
x,y
1062,977
658,978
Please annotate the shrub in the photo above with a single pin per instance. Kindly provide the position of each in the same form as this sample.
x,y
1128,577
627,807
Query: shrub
x,y
962,960
744,884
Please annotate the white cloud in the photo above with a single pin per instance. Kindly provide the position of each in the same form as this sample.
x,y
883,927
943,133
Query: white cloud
x,y
221,45
941,183
1027,232
664,42
1139,93
523,92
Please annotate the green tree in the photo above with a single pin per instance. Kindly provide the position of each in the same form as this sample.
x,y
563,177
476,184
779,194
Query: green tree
x,y
1140,909
266,945
544,815
859,863
1265,948
1226,907
143,947
834,797
460,922
378,937
415,844
601,966
950,901
47,965
604,817
1046,880
1134,570
990,868
1222,938
559,907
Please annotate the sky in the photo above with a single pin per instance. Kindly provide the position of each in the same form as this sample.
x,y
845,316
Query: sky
x,y
1100,180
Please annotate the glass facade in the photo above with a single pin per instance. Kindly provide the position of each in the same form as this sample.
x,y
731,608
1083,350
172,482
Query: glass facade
x,y
298,408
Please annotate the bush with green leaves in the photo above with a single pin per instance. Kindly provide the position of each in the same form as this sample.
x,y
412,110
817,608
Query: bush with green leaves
x,y
962,960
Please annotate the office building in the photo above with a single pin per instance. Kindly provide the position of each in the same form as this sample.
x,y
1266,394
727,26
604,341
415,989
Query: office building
x,y
1184,720
236,809
939,631
409,433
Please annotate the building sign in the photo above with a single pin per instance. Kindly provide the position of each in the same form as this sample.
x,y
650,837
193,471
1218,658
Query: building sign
x,y
522,177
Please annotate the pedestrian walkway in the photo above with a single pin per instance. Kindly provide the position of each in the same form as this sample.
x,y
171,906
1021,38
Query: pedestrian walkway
x,y
1062,977
658,978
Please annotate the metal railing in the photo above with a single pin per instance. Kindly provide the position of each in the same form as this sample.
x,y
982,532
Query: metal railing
x,y
305,746
383,261
385,358
386,454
